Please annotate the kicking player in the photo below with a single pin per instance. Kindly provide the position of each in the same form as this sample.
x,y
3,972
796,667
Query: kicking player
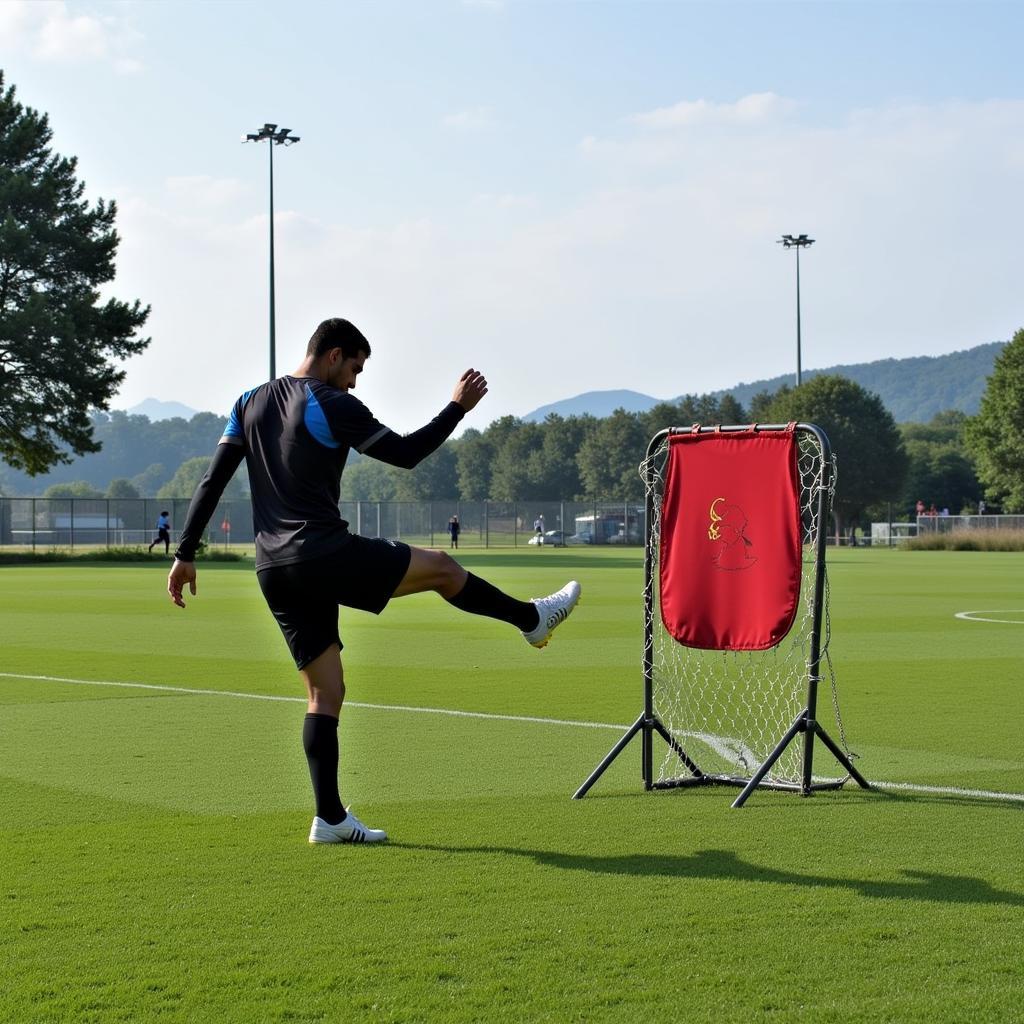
x,y
295,433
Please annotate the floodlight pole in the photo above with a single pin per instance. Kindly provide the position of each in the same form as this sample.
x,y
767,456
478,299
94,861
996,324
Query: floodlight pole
x,y
797,242
275,137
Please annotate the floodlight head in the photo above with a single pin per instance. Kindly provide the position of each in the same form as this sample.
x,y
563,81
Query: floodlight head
x,y
270,128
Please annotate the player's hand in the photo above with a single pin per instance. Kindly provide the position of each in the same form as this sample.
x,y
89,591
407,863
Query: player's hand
x,y
471,388
180,574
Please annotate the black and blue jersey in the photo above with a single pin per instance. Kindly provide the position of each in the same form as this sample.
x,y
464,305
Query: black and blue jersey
x,y
295,434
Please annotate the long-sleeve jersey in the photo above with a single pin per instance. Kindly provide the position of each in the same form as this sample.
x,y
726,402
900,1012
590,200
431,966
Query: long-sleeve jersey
x,y
295,434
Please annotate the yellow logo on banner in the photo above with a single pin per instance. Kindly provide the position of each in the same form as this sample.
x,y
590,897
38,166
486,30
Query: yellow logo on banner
x,y
713,532
728,529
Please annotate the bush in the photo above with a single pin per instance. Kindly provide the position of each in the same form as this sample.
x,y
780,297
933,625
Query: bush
x,y
968,540
119,555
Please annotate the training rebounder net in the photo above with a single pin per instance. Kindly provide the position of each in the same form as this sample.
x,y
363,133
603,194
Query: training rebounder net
x,y
737,630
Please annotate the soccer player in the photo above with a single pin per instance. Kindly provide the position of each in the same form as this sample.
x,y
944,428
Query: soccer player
x,y
295,433
163,532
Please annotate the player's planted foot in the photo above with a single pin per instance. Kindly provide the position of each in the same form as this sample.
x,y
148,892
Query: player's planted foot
x,y
351,830
553,611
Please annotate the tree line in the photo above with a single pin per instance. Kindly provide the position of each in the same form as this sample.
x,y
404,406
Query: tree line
x,y
950,462
61,346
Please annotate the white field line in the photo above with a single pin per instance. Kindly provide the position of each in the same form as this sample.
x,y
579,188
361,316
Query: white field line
x,y
977,616
195,691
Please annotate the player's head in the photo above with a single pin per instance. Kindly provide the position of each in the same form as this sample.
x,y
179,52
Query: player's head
x,y
340,349
165,513
337,333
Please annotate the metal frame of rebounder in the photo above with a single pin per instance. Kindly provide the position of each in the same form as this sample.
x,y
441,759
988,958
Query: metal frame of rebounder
x,y
648,723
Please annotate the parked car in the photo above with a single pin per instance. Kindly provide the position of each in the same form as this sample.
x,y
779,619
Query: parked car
x,y
553,538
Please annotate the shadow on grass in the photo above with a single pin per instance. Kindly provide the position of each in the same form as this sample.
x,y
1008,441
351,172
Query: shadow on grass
x,y
724,865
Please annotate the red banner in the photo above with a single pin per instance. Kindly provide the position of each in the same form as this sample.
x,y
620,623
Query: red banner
x,y
730,539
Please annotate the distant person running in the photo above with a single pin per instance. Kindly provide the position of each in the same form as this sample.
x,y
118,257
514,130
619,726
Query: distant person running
x,y
454,529
163,532
295,434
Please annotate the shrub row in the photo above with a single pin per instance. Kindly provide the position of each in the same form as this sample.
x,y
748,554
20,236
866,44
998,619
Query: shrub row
x,y
968,540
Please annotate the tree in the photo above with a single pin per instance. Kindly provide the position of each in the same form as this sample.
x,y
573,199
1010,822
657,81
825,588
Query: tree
x,y
864,437
368,480
939,472
75,489
515,467
609,457
996,435
148,482
119,487
474,455
436,478
58,342
557,471
189,473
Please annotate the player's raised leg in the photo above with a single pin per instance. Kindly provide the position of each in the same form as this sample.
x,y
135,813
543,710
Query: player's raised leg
x,y
325,689
536,619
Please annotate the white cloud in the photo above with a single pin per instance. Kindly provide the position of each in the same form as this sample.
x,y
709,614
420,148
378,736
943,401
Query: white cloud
x,y
54,31
756,108
473,120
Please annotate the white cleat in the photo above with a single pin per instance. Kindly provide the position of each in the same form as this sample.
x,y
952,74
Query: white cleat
x,y
351,830
553,611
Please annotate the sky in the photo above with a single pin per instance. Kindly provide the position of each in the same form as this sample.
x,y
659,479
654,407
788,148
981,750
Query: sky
x,y
569,196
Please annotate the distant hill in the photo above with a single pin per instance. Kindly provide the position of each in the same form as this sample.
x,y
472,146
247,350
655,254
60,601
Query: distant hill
x,y
157,410
596,403
913,389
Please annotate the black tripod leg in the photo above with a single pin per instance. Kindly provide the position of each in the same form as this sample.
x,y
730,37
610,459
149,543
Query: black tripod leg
x,y
798,726
610,756
841,757
680,753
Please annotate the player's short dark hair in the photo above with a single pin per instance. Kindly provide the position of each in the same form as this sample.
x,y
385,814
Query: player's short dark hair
x,y
337,333
165,513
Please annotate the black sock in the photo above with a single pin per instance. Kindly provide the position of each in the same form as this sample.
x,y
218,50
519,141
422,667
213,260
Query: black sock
x,y
320,741
481,598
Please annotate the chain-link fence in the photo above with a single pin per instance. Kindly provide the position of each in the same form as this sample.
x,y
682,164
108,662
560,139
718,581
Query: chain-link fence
x,y
31,524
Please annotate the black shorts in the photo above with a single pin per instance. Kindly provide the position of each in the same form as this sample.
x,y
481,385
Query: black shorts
x,y
304,596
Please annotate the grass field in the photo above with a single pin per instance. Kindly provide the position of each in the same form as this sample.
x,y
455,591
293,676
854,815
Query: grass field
x,y
153,855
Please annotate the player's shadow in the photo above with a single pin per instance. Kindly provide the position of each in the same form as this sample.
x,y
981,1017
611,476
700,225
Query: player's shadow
x,y
924,886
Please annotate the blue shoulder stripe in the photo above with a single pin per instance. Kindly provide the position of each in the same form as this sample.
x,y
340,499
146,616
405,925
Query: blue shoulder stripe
x,y
234,427
316,421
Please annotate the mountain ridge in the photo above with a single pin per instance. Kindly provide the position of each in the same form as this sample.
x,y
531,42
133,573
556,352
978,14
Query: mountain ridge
x,y
913,388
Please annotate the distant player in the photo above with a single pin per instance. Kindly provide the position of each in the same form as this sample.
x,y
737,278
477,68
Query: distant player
x,y
163,532
295,434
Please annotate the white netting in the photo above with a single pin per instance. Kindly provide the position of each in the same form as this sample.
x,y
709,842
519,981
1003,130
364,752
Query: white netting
x,y
729,709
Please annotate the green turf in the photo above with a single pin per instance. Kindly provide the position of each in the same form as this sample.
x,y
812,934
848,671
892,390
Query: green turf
x,y
153,863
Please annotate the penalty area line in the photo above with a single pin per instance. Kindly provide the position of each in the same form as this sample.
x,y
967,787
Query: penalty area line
x,y
910,787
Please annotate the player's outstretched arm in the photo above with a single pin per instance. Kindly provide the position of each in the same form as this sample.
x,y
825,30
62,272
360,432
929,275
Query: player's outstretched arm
x,y
410,450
